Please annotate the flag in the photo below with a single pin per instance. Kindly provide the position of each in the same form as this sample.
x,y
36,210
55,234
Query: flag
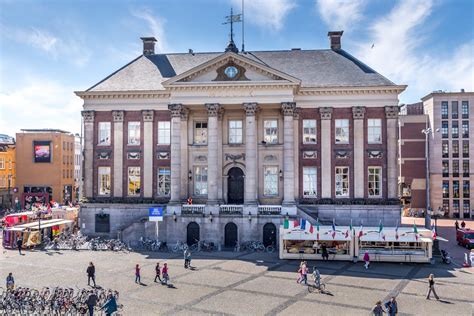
x,y
309,228
396,232
351,228
415,230
317,229
333,234
433,231
380,226
333,225
360,231
286,224
383,237
302,224
295,223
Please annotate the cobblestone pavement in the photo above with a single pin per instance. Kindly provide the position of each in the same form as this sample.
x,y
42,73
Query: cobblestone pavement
x,y
226,283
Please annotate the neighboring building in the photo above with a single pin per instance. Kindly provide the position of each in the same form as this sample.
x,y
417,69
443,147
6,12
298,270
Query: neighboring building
x,y
78,166
45,166
252,137
7,171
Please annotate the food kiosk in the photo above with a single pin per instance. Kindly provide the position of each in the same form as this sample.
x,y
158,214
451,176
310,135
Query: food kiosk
x,y
403,244
18,218
296,243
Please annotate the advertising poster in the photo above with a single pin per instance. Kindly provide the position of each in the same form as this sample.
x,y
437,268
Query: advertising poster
x,y
42,151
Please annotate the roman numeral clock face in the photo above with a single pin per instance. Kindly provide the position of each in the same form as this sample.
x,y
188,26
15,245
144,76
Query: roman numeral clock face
x,y
231,72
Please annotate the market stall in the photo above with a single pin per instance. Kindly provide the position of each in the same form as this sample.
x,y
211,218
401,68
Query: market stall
x,y
18,218
296,243
391,244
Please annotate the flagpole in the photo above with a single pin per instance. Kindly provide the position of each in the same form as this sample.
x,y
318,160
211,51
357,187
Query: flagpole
x,y
243,45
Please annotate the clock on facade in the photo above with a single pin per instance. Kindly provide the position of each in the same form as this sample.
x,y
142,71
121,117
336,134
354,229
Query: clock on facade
x,y
231,72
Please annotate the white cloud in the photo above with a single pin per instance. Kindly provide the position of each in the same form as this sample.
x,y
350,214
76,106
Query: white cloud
x,y
42,40
340,14
268,14
155,26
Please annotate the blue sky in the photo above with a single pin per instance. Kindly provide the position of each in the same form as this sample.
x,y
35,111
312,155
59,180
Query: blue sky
x,y
48,49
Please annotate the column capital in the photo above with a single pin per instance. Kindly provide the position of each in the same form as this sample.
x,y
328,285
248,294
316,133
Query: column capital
x,y
184,113
250,108
391,112
147,115
288,108
326,113
118,116
358,112
220,113
212,109
296,113
88,116
175,109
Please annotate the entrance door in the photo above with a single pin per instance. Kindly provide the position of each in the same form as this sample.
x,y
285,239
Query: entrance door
x,y
192,235
230,235
269,234
235,186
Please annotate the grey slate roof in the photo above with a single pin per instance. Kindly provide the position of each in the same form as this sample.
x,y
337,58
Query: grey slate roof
x,y
315,68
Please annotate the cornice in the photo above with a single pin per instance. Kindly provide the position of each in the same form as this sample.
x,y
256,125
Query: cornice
x,y
351,90
137,94
231,85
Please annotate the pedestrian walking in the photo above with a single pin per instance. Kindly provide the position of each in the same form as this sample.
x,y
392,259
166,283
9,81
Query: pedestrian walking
x,y
137,274
300,273
91,302
110,305
378,309
463,224
324,252
305,273
19,244
165,274
471,257
456,224
366,259
391,307
187,258
10,281
158,272
185,255
316,277
431,287
90,274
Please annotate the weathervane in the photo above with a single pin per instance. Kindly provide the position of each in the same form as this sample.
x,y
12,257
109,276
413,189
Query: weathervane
x,y
231,19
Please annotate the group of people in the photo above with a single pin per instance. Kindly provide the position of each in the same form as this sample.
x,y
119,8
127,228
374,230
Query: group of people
x,y
456,224
303,274
161,273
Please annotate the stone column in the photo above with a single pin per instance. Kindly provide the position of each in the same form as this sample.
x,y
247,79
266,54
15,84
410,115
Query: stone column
x,y
326,152
251,179
175,110
184,154
147,153
360,186
288,109
118,153
220,186
391,114
88,117
212,147
296,149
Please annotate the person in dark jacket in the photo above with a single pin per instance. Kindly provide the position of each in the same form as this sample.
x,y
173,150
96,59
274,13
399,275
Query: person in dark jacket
x,y
19,244
158,272
110,305
391,306
378,310
90,273
324,252
431,287
91,302
10,281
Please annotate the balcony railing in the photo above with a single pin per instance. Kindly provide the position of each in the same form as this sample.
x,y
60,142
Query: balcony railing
x,y
269,209
231,210
193,209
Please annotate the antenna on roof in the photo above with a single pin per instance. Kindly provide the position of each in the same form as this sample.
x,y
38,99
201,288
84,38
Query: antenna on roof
x,y
243,41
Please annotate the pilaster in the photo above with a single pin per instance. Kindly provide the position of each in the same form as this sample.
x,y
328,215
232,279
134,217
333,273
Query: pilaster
x,y
212,148
358,114
148,153
176,110
88,118
288,109
391,114
326,152
118,153
251,177
184,154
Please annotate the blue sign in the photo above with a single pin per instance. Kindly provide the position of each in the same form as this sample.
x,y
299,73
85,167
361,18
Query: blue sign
x,y
155,214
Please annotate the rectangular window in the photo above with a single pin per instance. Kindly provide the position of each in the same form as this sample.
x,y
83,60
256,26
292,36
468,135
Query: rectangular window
x,y
455,129
466,208
235,132
444,129
465,109
465,148
466,189
455,168
465,168
375,182
164,181
465,129
446,207
455,149
445,189
309,181
200,180
342,131
134,181
374,131
134,133
270,181
104,133
270,130
456,189
164,133
445,149
456,208
309,131
342,181
454,109
104,181
200,133
444,110
2,163
445,168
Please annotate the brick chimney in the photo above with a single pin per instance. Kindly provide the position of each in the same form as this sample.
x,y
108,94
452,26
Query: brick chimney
x,y
335,39
148,45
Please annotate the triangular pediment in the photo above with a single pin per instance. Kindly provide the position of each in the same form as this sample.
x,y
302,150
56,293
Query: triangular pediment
x,y
231,68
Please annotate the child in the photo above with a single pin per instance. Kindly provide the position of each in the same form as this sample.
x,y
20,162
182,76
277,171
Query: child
x,y
366,259
137,274
164,272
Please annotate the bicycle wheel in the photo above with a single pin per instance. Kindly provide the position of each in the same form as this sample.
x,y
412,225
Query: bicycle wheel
x,y
322,287
311,288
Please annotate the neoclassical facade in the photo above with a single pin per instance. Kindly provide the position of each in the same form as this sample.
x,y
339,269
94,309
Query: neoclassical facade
x,y
251,137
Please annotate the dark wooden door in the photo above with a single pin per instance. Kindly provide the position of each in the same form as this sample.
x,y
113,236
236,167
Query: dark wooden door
x,y
192,235
230,235
269,234
235,186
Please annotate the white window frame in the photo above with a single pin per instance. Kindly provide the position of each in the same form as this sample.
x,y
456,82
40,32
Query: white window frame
x,y
373,182
200,180
133,178
270,131
104,134
374,131
104,181
310,182
341,177
341,135
270,181
200,133
134,131
164,132
309,132
2,163
164,181
235,132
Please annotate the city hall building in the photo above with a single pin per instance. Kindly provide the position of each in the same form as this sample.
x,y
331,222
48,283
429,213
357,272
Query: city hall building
x,y
251,138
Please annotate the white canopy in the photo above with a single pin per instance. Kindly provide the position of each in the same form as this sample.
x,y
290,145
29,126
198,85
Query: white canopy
x,y
325,234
